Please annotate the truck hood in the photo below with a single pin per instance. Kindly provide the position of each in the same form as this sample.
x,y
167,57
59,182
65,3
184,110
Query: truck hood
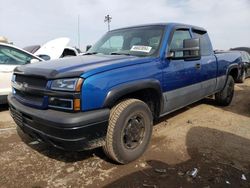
x,y
86,65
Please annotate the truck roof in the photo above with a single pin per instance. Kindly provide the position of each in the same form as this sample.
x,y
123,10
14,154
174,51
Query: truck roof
x,y
171,24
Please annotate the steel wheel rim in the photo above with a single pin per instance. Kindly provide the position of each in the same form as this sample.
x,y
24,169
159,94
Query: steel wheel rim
x,y
134,132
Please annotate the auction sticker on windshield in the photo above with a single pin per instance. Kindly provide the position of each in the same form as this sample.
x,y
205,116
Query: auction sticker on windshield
x,y
137,48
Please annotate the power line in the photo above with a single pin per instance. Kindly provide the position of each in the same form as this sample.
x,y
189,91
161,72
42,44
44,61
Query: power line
x,y
108,19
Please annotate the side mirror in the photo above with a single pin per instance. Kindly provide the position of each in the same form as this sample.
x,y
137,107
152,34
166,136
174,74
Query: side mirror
x,y
34,60
190,50
88,47
44,57
170,54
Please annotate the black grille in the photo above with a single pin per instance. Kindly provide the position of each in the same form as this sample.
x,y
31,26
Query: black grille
x,y
17,116
31,81
27,98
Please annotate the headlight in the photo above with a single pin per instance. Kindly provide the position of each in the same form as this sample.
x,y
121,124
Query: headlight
x,y
72,84
13,78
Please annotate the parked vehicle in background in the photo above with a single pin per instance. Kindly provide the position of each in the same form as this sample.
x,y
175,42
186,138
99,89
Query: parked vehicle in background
x,y
53,49
110,96
32,49
10,58
246,49
245,56
245,71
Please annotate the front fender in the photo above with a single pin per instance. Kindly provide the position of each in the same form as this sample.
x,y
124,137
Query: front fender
x,y
124,89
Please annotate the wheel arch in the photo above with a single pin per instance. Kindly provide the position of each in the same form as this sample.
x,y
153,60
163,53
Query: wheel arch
x,y
233,70
148,90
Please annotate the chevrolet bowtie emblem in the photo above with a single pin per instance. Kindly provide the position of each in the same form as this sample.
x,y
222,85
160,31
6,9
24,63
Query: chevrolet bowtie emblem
x,y
25,84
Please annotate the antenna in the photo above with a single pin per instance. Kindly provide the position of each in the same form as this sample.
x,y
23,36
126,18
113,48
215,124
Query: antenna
x,y
78,29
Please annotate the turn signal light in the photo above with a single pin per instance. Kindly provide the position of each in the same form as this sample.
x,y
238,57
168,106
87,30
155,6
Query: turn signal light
x,y
77,104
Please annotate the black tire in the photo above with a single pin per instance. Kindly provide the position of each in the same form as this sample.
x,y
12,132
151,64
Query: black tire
x,y
129,120
224,97
242,77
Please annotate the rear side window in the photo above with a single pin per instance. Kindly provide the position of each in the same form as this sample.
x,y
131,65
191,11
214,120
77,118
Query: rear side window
x,y
177,41
205,43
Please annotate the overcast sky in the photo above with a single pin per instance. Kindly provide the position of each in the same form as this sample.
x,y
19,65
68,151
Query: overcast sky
x,y
28,22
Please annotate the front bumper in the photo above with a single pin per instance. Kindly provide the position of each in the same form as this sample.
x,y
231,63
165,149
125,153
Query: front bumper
x,y
67,131
3,95
3,99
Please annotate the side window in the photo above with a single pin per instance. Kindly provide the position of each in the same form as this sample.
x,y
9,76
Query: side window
x,y
12,56
205,44
177,40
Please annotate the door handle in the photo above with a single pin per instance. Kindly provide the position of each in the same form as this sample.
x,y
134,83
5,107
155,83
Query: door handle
x,y
198,66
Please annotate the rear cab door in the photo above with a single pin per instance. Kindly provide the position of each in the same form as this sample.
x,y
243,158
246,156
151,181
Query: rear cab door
x,y
208,63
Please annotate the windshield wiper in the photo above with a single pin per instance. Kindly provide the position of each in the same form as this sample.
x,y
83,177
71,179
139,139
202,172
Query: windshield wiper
x,y
117,53
90,53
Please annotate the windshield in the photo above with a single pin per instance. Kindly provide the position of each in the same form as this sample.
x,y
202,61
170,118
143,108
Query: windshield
x,y
140,41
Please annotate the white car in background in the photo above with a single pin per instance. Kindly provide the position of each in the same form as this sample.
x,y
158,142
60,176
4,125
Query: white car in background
x,y
10,58
53,49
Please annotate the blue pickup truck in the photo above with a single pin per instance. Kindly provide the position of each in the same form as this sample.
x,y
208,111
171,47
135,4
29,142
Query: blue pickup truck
x,y
110,96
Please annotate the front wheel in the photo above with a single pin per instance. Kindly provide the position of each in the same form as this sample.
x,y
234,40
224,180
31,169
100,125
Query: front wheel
x,y
129,131
224,97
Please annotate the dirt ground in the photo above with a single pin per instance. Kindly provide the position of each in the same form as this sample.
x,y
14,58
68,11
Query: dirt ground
x,y
214,140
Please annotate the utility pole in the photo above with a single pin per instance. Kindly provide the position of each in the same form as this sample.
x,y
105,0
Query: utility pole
x,y
108,19
78,30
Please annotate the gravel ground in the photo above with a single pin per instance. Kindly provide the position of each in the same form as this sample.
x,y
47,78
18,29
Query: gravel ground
x,y
214,140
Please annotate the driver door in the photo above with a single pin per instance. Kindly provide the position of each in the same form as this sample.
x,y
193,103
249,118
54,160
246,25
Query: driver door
x,y
181,77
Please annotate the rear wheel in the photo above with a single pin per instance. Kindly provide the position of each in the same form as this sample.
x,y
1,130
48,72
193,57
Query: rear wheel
x,y
129,131
225,96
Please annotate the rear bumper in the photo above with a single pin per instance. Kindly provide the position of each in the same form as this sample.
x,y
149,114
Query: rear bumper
x,y
68,131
